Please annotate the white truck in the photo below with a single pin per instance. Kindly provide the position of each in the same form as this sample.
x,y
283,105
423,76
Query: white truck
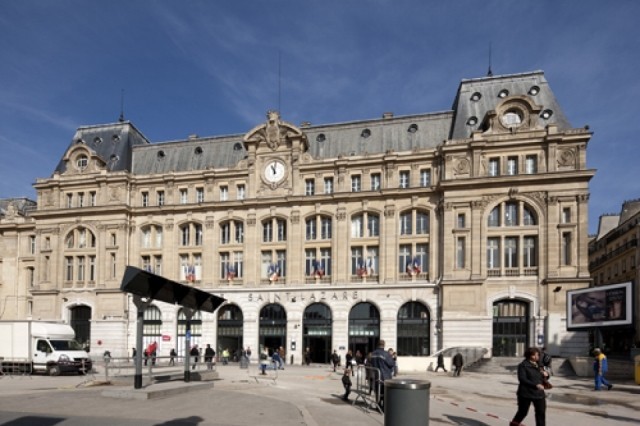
x,y
38,346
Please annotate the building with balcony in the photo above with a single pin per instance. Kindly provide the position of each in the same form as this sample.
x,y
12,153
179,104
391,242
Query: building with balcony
x,y
433,230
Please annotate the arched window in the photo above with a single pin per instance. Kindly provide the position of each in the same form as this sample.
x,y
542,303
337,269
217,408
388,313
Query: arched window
x,y
372,222
80,268
196,330
191,234
230,330
152,326
318,227
232,232
316,331
364,328
413,330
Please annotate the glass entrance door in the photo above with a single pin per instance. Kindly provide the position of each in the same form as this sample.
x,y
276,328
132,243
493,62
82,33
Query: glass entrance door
x,y
510,328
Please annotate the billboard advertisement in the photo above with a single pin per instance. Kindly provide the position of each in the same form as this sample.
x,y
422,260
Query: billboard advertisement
x,y
601,306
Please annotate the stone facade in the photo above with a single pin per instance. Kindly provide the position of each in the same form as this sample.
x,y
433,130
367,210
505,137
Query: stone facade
x,y
429,231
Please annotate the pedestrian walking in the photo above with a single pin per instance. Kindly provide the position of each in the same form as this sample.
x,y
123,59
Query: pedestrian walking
x,y
307,356
346,383
209,354
335,359
545,361
458,362
264,361
440,363
134,352
349,361
172,356
195,353
531,380
225,356
600,368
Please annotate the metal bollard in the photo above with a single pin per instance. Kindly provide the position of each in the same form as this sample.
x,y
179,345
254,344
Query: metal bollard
x,y
406,402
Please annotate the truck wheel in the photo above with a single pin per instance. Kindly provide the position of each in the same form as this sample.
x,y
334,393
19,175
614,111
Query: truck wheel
x,y
53,370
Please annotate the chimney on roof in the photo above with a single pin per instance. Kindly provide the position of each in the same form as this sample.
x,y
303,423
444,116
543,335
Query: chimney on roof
x,y
387,115
193,136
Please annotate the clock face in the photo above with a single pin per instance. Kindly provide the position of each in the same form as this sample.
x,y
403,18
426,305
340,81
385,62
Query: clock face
x,y
274,171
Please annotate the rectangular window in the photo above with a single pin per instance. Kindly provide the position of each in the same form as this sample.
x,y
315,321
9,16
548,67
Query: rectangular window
x,y
510,214
309,187
425,177
357,226
422,256
282,230
68,268
159,237
328,185
531,164
114,266
375,181
47,266
356,183
512,166
224,193
69,201
309,262
157,262
146,264
310,229
92,269
225,233
422,223
493,253
372,260
357,261
511,252
145,199
405,224
326,228
461,223
241,194
267,232
566,215
281,256
530,252
566,248
225,265
80,199
373,225
160,198
325,259
404,179
80,268
184,235
239,232
199,195
32,244
494,167
461,248
92,199
31,276
405,260
199,235
184,196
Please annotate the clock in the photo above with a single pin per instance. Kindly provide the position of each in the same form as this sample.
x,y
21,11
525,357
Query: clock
x,y
274,171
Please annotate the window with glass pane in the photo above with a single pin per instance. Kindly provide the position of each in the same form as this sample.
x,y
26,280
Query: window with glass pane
x,y
512,165
530,252
146,264
373,225
239,233
511,252
146,237
92,199
309,261
310,228
225,263
80,268
184,235
493,253
425,177
357,226
405,223
325,256
224,193
494,217
225,233
238,263
510,214
404,257
566,215
199,195
528,218
326,228
145,199
404,179
157,260
81,199
69,200
356,183
531,164
413,330
372,260
310,187
461,224
240,192
357,260
199,234
566,248
281,256
494,167
422,223
160,198
461,248
282,229
267,231
183,196
375,181
328,185
422,253
68,276
92,268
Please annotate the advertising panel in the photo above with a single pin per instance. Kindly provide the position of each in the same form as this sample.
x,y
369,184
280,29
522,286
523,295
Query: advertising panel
x,y
602,306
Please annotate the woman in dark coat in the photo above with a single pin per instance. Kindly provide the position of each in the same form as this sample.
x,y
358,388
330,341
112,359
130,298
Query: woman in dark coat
x,y
531,380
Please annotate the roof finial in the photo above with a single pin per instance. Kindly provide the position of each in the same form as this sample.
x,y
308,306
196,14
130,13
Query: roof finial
x,y
489,72
121,118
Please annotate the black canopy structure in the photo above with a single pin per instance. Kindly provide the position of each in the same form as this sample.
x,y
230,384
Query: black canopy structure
x,y
150,286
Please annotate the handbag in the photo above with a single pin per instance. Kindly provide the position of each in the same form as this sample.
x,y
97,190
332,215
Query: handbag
x,y
547,385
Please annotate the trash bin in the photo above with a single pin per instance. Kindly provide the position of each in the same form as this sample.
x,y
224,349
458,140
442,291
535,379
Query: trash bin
x,y
637,362
406,402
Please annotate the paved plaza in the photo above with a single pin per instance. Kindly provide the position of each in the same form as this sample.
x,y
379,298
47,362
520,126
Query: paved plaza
x,y
299,395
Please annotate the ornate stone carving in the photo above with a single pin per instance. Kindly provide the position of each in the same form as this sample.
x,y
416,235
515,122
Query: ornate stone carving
x,y
342,213
389,211
295,217
566,158
461,165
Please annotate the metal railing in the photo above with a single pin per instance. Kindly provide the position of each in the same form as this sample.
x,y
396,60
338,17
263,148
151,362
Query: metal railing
x,y
368,387
15,367
154,369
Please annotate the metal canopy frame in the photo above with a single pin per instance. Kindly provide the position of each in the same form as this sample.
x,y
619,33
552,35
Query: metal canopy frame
x,y
146,287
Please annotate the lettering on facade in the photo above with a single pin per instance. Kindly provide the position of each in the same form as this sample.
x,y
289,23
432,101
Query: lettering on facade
x,y
293,297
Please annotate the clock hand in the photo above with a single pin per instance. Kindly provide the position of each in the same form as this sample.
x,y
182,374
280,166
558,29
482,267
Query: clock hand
x,y
273,167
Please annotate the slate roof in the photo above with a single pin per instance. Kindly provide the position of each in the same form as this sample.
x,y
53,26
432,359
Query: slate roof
x,y
134,153
22,205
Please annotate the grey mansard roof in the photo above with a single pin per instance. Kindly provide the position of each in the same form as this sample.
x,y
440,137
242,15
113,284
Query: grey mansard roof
x,y
133,152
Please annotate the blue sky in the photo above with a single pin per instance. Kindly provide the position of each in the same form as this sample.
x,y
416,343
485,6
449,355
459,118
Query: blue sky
x,y
211,68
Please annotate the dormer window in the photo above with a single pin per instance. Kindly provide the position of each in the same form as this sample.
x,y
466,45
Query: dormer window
x,y
82,161
512,118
